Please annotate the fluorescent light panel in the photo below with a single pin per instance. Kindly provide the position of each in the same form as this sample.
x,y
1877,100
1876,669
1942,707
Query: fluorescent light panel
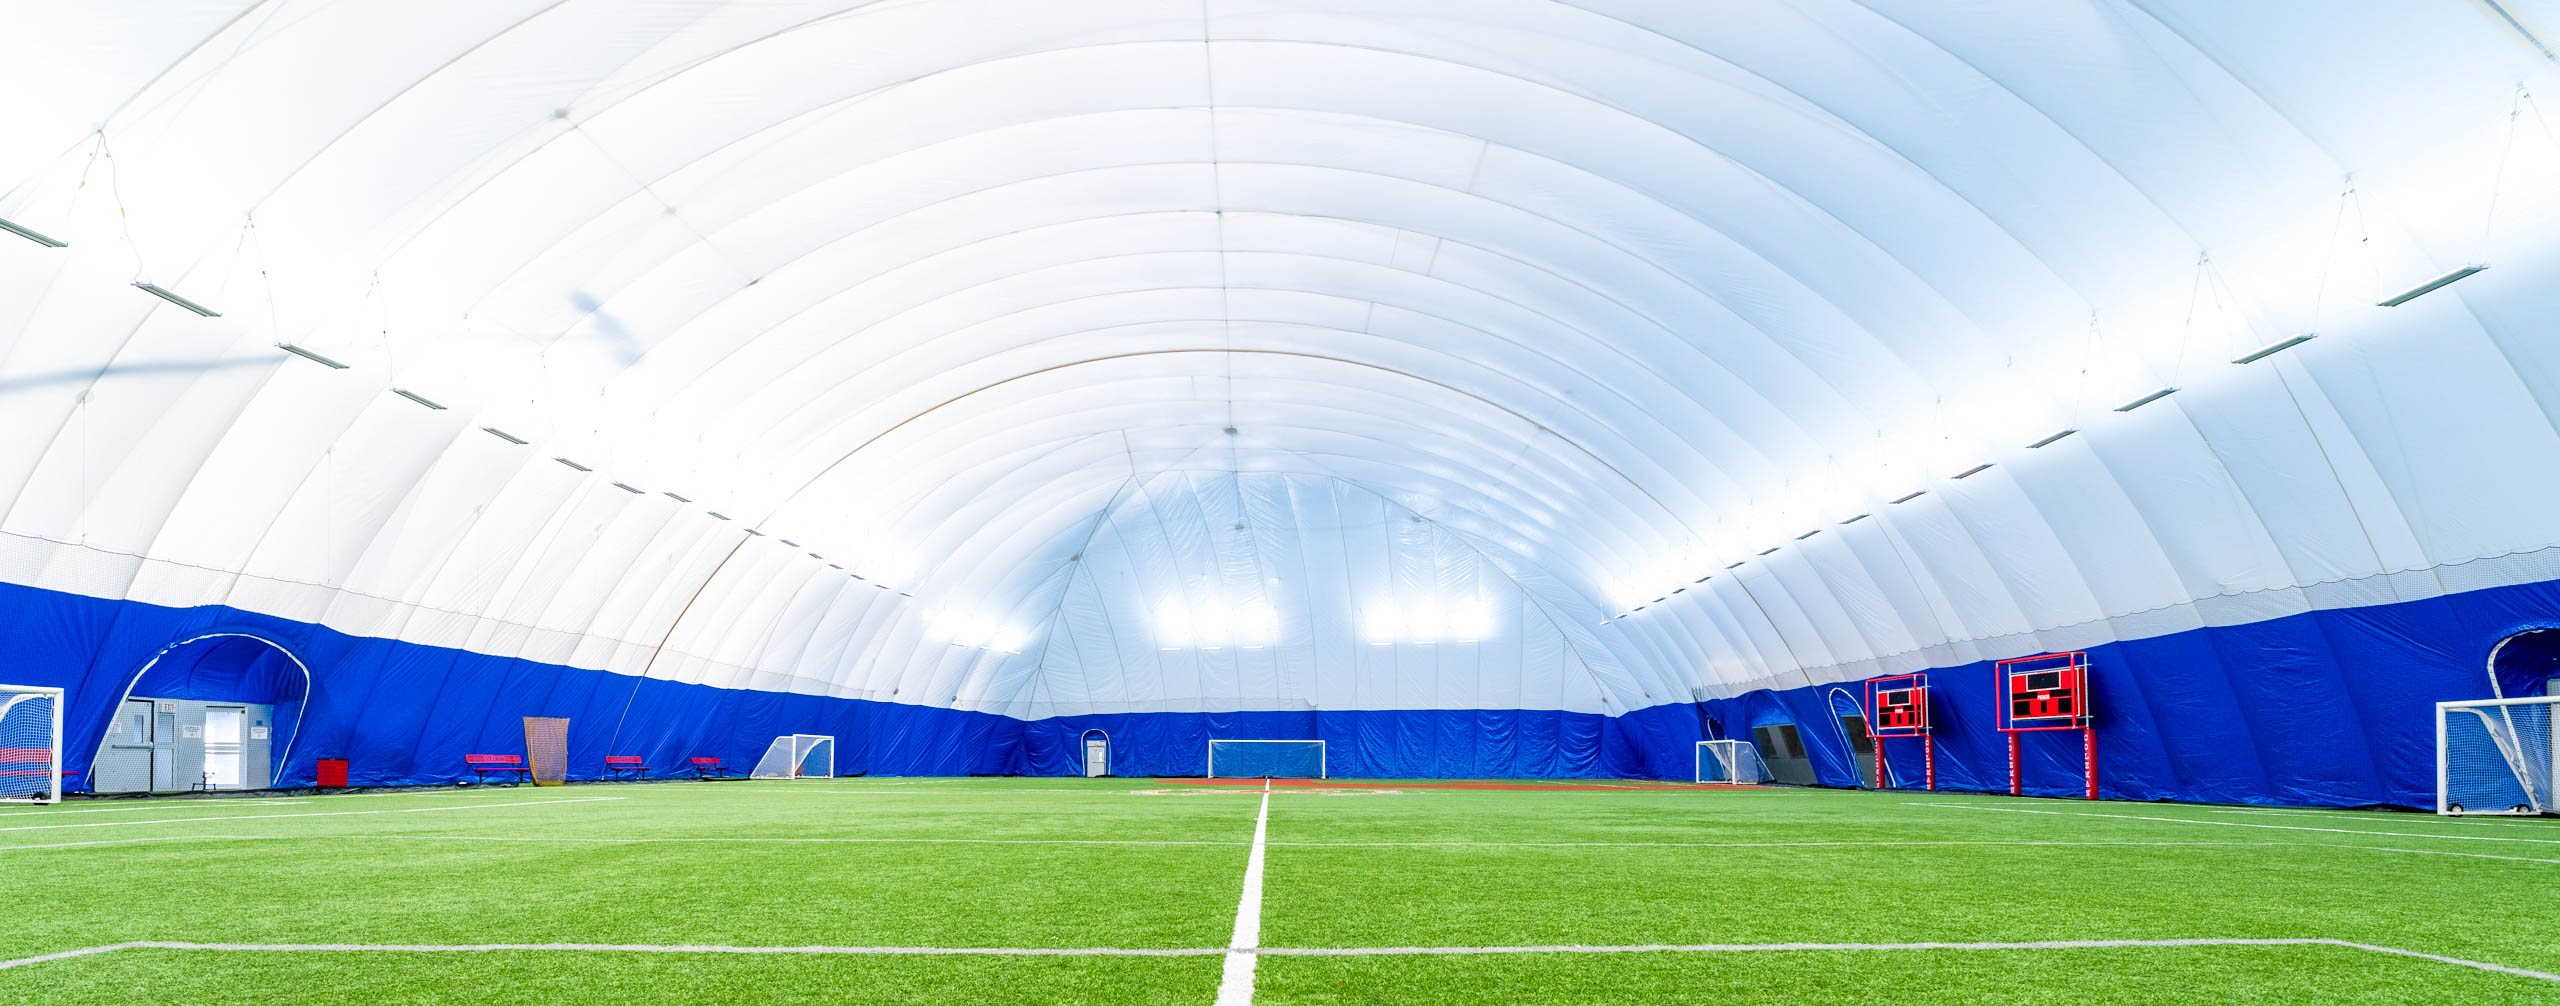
x,y
676,498
1768,550
2276,347
1912,496
2146,399
418,398
573,464
627,487
1973,471
1808,534
325,362
2429,286
717,513
2049,441
171,296
1855,519
32,234
503,435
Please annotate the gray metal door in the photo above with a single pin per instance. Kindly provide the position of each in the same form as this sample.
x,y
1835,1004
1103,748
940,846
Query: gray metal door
x,y
124,764
1097,757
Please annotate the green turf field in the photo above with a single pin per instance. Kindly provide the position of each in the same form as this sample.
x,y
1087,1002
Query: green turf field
x,y
1138,865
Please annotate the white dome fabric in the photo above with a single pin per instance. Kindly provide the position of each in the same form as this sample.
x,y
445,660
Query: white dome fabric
x,y
846,349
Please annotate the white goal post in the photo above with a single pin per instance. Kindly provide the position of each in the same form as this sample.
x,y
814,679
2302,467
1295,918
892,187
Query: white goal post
x,y
1267,760
2497,756
797,756
1733,763
30,744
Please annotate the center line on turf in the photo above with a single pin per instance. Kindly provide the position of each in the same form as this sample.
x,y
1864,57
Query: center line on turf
x,y
1235,985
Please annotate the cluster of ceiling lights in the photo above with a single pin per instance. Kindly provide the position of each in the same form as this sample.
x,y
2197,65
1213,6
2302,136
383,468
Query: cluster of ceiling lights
x,y
1215,625
1460,620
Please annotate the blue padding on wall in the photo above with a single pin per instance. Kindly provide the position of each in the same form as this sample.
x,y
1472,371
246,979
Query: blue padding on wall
x,y
2324,708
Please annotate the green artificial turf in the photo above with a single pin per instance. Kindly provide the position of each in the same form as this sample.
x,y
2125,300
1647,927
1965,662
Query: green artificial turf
x,y
1137,864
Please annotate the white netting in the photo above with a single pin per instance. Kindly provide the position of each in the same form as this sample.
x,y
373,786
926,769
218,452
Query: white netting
x,y
1731,762
2496,757
30,745
1266,760
797,756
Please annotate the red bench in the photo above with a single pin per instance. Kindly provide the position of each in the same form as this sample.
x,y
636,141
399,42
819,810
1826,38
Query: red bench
x,y
615,765
709,768
483,764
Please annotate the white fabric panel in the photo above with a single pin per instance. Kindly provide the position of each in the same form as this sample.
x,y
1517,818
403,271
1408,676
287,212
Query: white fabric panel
x,y
1557,305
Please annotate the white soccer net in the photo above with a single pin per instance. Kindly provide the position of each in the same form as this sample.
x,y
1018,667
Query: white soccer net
x,y
30,744
797,756
1266,760
1734,763
2496,756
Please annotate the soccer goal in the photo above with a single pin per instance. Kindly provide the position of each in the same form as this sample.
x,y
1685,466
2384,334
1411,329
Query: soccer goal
x,y
30,744
2496,756
1733,763
1266,760
797,756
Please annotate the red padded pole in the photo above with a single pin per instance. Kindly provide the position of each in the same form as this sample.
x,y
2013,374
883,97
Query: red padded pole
x,y
2014,788
2089,759
1929,758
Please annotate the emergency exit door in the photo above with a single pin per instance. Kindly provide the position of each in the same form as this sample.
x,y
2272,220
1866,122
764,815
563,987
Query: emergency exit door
x,y
1097,757
140,748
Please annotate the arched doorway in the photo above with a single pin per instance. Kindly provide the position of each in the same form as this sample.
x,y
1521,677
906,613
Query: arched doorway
x,y
1849,714
213,711
1097,753
2526,664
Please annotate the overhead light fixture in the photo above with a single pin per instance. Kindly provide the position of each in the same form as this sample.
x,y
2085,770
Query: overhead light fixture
x,y
789,542
818,557
1679,590
755,532
1739,565
503,435
2146,399
1768,550
1704,579
1661,599
2049,441
2277,347
1975,470
1806,535
2429,286
327,362
171,296
627,487
31,234
835,566
676,498
1854,519
418,398
1908,497
573,464
717,513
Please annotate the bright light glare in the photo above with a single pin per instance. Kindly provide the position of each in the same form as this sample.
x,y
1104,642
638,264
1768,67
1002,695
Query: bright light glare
x,y
1465,620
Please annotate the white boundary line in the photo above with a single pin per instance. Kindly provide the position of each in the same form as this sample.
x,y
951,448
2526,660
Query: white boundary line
x,y
1231,952
1235,982
2236,824
321,813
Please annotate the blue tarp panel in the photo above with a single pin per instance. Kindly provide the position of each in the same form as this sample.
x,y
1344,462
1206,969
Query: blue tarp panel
x,y
2327,708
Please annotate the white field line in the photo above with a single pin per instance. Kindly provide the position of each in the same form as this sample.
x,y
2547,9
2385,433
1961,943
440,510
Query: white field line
x,y
1235,982
852,840
48,812
2341,815
320,813
652,948
2237,824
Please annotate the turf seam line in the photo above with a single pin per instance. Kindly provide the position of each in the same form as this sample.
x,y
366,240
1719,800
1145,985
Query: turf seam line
x,y
1235,980
1231,952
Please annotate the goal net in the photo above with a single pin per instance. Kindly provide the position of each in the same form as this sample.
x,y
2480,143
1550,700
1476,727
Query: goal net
x,y
797,756
1266,760
1734,763
30,744
2496,756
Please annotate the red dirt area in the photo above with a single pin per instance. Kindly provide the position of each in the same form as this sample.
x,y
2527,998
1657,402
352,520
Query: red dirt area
x,y
1466,784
